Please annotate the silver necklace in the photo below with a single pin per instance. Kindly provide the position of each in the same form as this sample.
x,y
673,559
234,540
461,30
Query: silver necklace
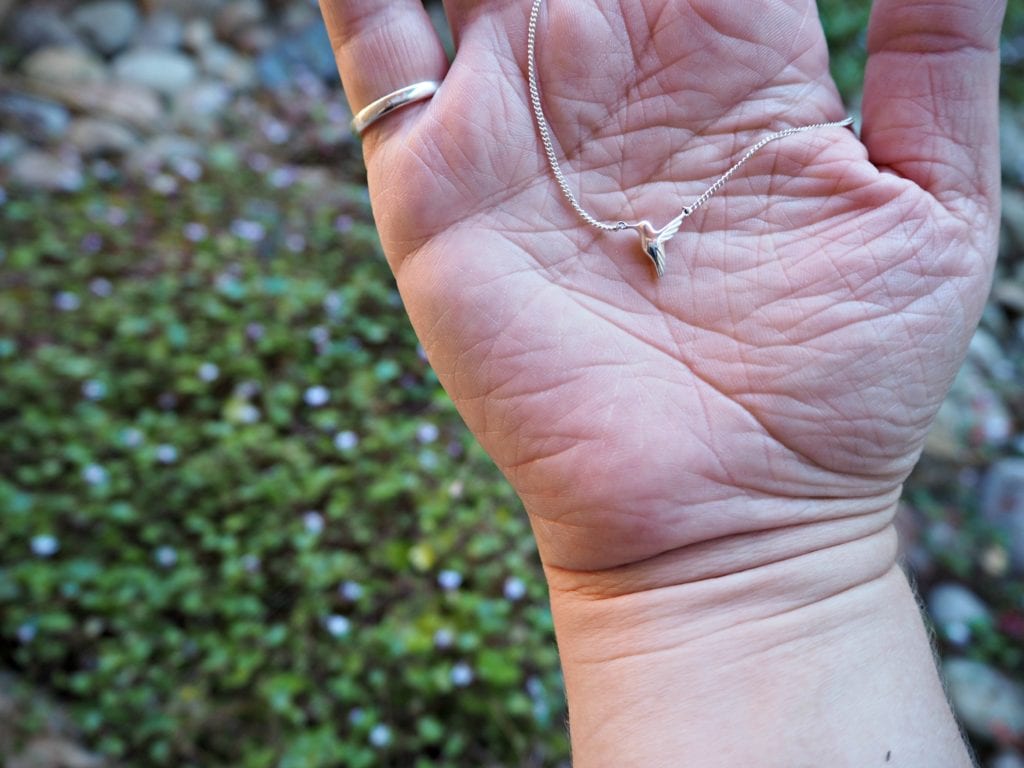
x,y
652,240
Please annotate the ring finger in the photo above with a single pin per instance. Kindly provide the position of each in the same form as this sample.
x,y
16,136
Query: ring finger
x,y
381,46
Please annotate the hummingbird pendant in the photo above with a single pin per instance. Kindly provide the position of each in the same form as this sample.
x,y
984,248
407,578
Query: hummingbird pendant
x,y
653,240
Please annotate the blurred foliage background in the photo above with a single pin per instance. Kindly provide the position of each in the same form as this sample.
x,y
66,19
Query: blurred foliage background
x,y
240,523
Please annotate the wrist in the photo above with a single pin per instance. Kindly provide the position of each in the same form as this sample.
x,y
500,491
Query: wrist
x,y
816,659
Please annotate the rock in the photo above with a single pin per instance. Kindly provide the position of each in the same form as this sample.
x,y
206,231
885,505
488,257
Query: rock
x,y
162,29
197,35
161,151
63,64
163,71
134,105
221,62
11,145
308,52
954,608
108,25
1007,760
238,15
36,119
1002,505
54,752
989,704
37,27
45,172
200,108
95,137
255,38
972,417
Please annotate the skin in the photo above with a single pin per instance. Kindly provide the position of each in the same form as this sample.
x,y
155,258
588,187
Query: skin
x,y
711,460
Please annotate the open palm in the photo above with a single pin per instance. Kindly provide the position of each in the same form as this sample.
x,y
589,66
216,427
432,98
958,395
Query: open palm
x,y
811,316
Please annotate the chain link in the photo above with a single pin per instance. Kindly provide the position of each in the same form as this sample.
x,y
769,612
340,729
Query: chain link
x,y
563,183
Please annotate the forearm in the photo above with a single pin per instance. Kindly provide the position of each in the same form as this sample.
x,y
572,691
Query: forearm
x,y
815,660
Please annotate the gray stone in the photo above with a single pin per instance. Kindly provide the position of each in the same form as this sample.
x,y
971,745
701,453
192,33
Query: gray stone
x,y
64,64
162,29
160,152
988,703
1002,505
36,119
109,25
36,27
197,35
307,52
163,71
1007,760
200,108
954,609
43,171
11,145
221,62
237,15
132,104
95,137
972,419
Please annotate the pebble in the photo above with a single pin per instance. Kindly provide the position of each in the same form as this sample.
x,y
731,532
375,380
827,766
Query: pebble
x,y
223,63
989,704
954,608
46,172
162,29
1007,760
238,15
163,71
63,64
11,145
200,108
307,52
132,104
36,27
197,35
1002,505
96,137
38,120
108,25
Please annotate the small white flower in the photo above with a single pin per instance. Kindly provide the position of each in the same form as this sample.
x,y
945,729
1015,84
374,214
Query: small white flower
x,y
101,287
164,184
313,521
209,372
283,177
319,335
27,633
455,489
275,131
247,413
45,545
338,626
255,331
356,715
428,460
462,675
66,301
351,590
334,303
295,243
346,441
515,589
130,437
166,557
380,735
250,231
117,217
444,638
189,169
317,396
195,232
166,454
427,433
94,474
94,389
449,580
343,224
251,563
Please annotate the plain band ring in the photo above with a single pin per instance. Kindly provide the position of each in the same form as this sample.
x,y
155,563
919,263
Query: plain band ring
x,y
385,105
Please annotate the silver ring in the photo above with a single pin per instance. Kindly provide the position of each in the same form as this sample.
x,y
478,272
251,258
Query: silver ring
x,y
385,105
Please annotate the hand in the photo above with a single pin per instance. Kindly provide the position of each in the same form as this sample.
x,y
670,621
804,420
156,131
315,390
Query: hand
x,y
753,413
812,314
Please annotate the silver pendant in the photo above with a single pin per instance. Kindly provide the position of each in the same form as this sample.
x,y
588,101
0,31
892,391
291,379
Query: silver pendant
x,y
653,241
